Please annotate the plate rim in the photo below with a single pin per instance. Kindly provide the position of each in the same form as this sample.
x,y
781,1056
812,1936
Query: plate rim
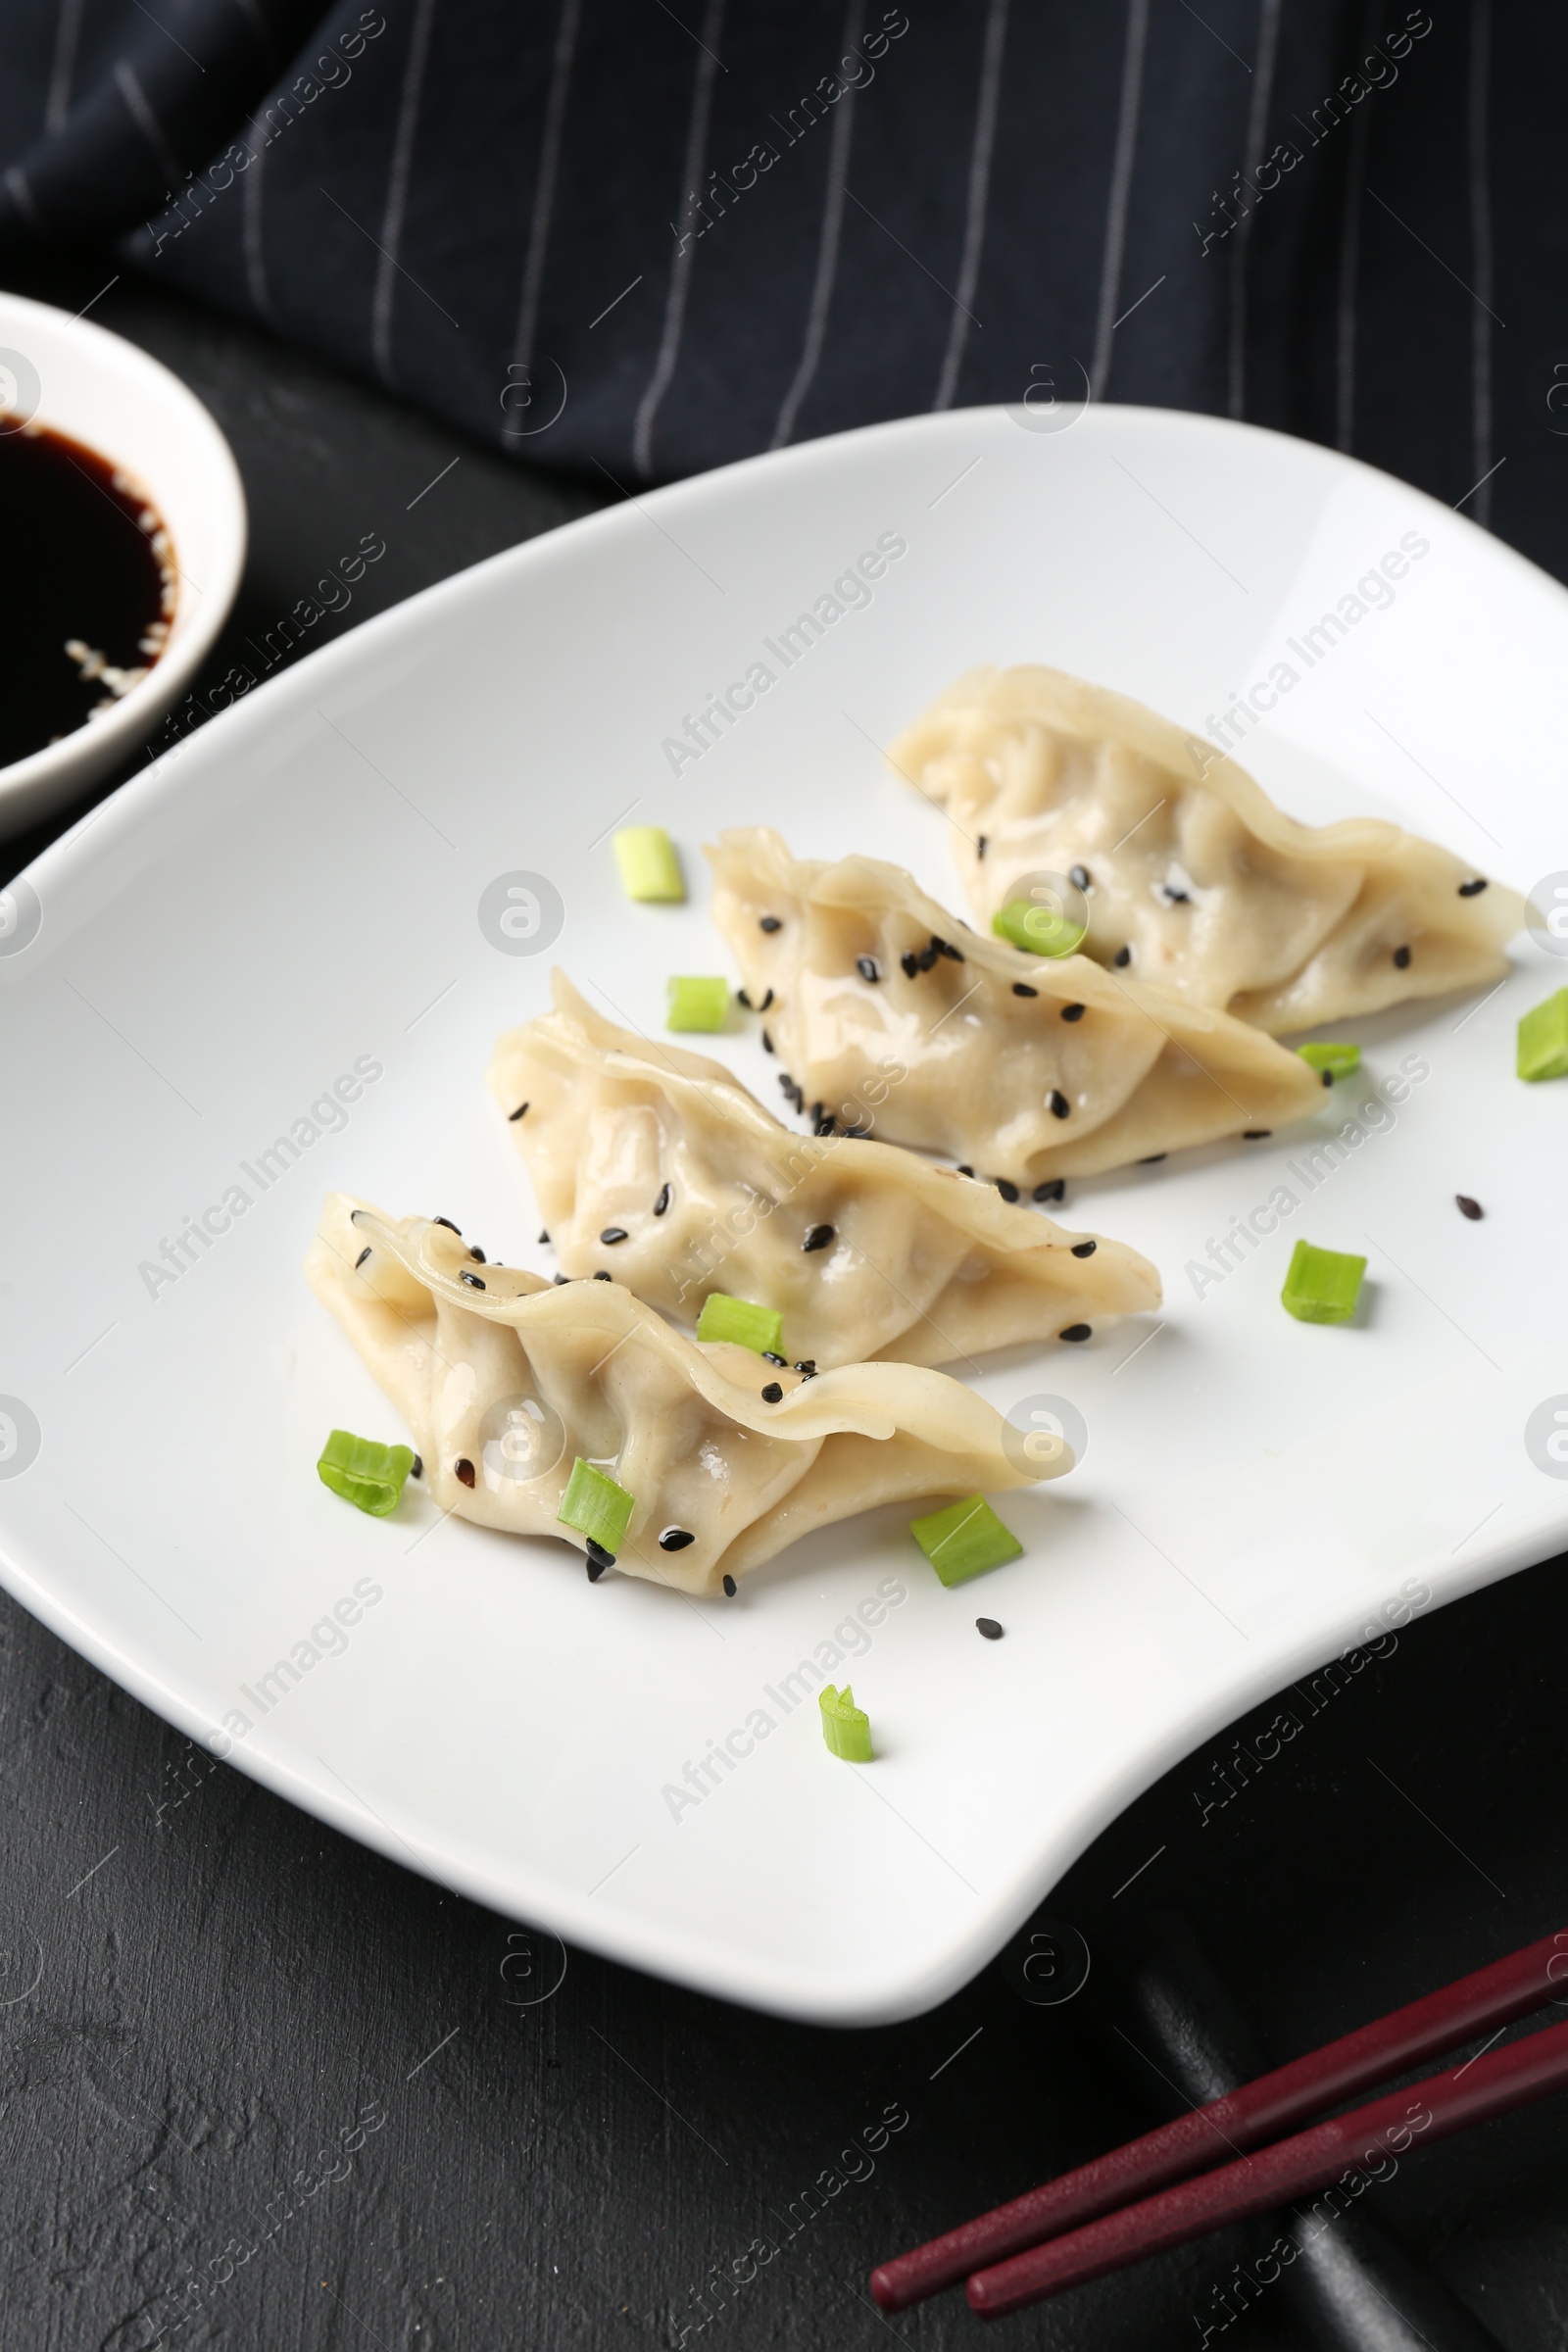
x,y
857,1996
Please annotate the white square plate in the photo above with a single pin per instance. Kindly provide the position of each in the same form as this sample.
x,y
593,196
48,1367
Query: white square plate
x,y
297,897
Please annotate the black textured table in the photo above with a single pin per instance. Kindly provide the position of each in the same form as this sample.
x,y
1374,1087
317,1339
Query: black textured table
x,y
263,2089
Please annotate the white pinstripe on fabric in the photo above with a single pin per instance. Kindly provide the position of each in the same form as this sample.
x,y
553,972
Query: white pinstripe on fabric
x,y
140,108
1268,44
397,194
1481,255
544,189
827,244
21,197
680,276
974,223
251,202
1351,257
63,66
1134,43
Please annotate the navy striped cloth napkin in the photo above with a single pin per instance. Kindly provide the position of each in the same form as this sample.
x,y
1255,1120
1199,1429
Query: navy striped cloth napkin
x,y
647,236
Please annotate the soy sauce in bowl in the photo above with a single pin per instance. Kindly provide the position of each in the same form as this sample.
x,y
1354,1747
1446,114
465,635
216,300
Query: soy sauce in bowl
x,y
93,588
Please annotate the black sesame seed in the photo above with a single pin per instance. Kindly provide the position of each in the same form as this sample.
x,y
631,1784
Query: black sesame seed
x,y
819,1236
825,1124
856,1134
807,1375
1328,1077
364,1255
1060,1104
866,966
595,1569
1175,898
1122,957
1472,890
1083,1249
772,1393
1005,1187
417,1466
562,1278
676,1538
599,1558
613,1233
808,1365
472,1279
662,1203
944,947
477,1255
1055,1188
767,1042
766,1002
963,1169
543,1238
1255,1135
988,1628
601,1276
1079,877
1074,1331
1149,1159
769,1357
463,1472
729,1588
980,847
1402,959
451,1228
515,1114
1072,1013
742,999
910,963
1468,1208
770,922
1021,988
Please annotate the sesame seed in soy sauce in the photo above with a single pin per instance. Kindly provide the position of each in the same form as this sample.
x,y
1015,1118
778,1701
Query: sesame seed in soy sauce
x,y
99,589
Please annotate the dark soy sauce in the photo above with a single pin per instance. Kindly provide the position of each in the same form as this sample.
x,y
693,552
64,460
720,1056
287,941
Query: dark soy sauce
x,y
89,588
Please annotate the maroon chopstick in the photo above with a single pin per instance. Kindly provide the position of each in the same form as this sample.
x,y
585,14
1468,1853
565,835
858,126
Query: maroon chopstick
x,y
1267,2109
1372,2137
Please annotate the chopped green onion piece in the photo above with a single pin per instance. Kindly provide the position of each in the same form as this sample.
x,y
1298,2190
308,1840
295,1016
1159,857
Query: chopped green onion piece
x,y
1031,926
650,867
696,1003
1338,1061
595,1506
965,1540
846,1728
1543,1039
1322,1285
726,1318
364,1473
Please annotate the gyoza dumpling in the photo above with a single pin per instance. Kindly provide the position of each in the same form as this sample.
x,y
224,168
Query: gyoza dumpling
x,y
1193,879
503,1379
1029,1067
869,1252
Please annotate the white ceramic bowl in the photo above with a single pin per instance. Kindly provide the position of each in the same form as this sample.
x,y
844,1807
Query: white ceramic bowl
x,y
101,390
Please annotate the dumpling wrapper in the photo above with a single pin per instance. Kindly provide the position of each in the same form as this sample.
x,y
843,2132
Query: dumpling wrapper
x,y
923,1266
501,1377
952,1060
1287,926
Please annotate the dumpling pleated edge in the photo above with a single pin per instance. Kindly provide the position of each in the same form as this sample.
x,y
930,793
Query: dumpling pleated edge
x,y
1033,1285
1477,928
444,1353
